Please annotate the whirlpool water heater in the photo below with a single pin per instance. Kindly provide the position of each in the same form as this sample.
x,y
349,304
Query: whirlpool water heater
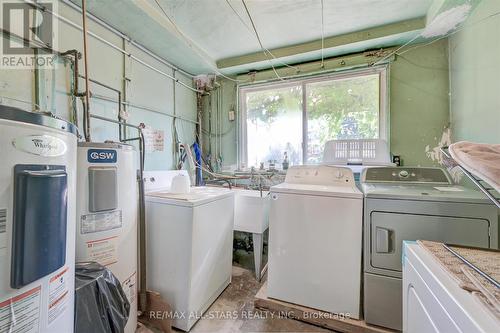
x,y
37,222
107,213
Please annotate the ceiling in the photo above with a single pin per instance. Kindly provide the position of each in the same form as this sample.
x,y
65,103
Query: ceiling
x,y
203,35
217,29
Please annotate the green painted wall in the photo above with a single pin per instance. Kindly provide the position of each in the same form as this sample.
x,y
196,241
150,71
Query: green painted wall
x,y
144,87
419,105
419,98
475,75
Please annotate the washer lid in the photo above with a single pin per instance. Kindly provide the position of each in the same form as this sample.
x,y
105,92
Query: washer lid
x,y
36,118
428,192
197,196
318,190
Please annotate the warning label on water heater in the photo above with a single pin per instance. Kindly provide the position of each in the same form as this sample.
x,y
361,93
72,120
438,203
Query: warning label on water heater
x,y
58,295
104,251
91,223
21,314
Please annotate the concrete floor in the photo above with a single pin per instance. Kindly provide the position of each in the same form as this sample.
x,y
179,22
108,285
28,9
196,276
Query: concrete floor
x,y
235,312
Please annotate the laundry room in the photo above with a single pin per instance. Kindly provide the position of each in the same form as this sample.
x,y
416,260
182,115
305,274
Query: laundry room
x,y
249,166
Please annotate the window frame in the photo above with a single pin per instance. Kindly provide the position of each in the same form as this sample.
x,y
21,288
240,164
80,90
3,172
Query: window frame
x,y
243,89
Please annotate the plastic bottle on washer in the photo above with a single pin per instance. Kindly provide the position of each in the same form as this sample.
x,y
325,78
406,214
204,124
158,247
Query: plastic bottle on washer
x,y
285,161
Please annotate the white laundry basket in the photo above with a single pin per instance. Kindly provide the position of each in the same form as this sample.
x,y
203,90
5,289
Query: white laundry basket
x,y
368,151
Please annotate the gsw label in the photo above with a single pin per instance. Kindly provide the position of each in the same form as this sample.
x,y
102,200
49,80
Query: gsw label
x,y
101,156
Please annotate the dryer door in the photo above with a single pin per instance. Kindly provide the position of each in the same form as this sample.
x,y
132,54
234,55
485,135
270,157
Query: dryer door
x,y
388,230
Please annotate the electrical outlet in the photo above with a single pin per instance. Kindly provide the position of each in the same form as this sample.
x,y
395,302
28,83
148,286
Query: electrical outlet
x,y
231,115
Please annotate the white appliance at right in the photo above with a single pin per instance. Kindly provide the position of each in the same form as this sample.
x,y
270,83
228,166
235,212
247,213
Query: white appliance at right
x,y
409,204
433,300
315,230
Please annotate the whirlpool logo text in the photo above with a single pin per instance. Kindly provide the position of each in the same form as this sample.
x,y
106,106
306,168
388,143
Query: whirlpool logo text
x,y
42,145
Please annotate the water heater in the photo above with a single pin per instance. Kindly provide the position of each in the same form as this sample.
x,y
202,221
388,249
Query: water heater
x,y
107,201
37,222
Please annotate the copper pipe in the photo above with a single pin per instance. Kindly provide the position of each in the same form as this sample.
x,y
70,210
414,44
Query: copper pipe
x,y
86,129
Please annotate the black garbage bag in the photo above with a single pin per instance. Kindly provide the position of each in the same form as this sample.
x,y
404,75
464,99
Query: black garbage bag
x,y
101,306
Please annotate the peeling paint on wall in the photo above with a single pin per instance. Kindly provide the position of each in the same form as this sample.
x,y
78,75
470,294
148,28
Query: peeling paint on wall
x,y
447,21
436,155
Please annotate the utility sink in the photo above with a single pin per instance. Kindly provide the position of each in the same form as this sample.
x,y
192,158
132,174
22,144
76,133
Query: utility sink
x,y
251,214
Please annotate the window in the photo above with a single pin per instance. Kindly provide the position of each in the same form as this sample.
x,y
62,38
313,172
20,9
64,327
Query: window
x,y
298,117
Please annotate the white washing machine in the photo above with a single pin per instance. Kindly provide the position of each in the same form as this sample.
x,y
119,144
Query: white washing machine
x,y
315,239
189,245
37,222
408,204
433,301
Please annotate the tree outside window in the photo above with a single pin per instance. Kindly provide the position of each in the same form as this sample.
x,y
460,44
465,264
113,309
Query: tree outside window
x,y
335,109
